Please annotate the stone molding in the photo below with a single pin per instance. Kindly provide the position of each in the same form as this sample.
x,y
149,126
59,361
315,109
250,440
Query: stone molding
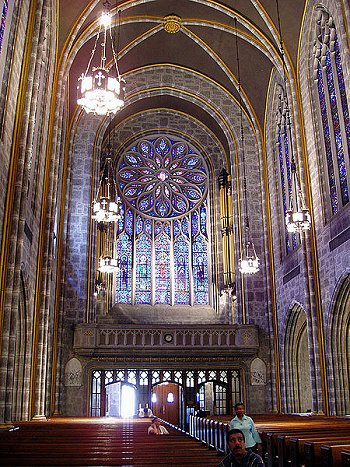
x,y
96,339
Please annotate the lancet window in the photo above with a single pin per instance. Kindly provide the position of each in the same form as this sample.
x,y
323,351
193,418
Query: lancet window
x,y
333,109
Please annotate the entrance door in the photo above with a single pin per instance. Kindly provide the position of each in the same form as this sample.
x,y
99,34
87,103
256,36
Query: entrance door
x,y
166,399
120,400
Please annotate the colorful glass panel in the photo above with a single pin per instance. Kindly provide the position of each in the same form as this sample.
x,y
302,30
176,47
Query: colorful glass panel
x,y
327,140
334,110
283,187
167,229
337,129
174,180
176,228
143,269
148,227
162,269
164,179
129,223
158,228
182,273
342,91
200,271
203,220
3,21
195,224
184,226
123,276
120,224
139,225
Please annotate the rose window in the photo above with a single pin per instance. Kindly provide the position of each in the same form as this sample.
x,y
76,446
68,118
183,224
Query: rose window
x,y
162,178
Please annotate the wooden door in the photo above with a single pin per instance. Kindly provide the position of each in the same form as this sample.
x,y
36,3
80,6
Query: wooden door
x,y
166,397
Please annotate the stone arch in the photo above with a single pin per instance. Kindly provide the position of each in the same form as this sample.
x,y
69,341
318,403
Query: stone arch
x,y
298,394
339,341
21,356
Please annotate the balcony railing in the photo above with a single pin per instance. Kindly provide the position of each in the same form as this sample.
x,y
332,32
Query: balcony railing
x,y
102,339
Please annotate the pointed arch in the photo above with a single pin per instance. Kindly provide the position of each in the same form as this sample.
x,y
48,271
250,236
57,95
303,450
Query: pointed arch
x,y
339,339
298,395
22,357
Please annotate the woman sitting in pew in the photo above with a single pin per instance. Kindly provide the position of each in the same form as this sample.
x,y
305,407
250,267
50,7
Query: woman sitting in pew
x,y
244,423
156,428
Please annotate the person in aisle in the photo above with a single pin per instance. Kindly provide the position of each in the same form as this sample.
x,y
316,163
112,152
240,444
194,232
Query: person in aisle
x,y
246,424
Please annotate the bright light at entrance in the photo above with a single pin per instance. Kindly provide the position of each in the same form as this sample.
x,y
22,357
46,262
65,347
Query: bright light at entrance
x,y
127,402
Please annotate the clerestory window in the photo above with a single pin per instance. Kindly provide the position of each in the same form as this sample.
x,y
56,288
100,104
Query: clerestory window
x,y
333,108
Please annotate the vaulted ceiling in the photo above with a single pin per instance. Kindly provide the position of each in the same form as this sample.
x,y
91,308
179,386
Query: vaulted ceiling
x,y
205,43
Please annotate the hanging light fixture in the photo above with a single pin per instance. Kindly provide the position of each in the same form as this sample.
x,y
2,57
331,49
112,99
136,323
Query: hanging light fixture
x,y
105,206
100,88
298,218
249,261
106,262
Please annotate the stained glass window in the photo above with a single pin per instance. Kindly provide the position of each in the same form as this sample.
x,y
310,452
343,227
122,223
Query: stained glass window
x,y
143,269
162,178
3,20
163,182
181,271
162,269
334,112
123,276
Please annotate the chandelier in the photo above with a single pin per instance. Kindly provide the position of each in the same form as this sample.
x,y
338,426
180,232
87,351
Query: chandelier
x,y
100,89
105,206
249,261
298,218
107,263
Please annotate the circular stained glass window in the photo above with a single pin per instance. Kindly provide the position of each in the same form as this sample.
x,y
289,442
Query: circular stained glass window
x,y
162,178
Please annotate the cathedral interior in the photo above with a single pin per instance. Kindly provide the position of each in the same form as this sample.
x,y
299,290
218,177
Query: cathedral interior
x,y
184,244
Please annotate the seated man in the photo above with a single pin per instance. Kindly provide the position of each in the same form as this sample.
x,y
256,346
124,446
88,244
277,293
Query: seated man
x,y
145,412
239,456
156,428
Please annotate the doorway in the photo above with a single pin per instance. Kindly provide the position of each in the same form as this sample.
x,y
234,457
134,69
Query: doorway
x,y
166,402
120,400
212,398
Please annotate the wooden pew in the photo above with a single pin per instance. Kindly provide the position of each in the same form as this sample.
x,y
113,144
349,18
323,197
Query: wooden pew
x,y
276,452
307,451
345,458
91,443
331,455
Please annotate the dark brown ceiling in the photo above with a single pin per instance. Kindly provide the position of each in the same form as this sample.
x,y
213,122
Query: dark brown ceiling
x,y
205,22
